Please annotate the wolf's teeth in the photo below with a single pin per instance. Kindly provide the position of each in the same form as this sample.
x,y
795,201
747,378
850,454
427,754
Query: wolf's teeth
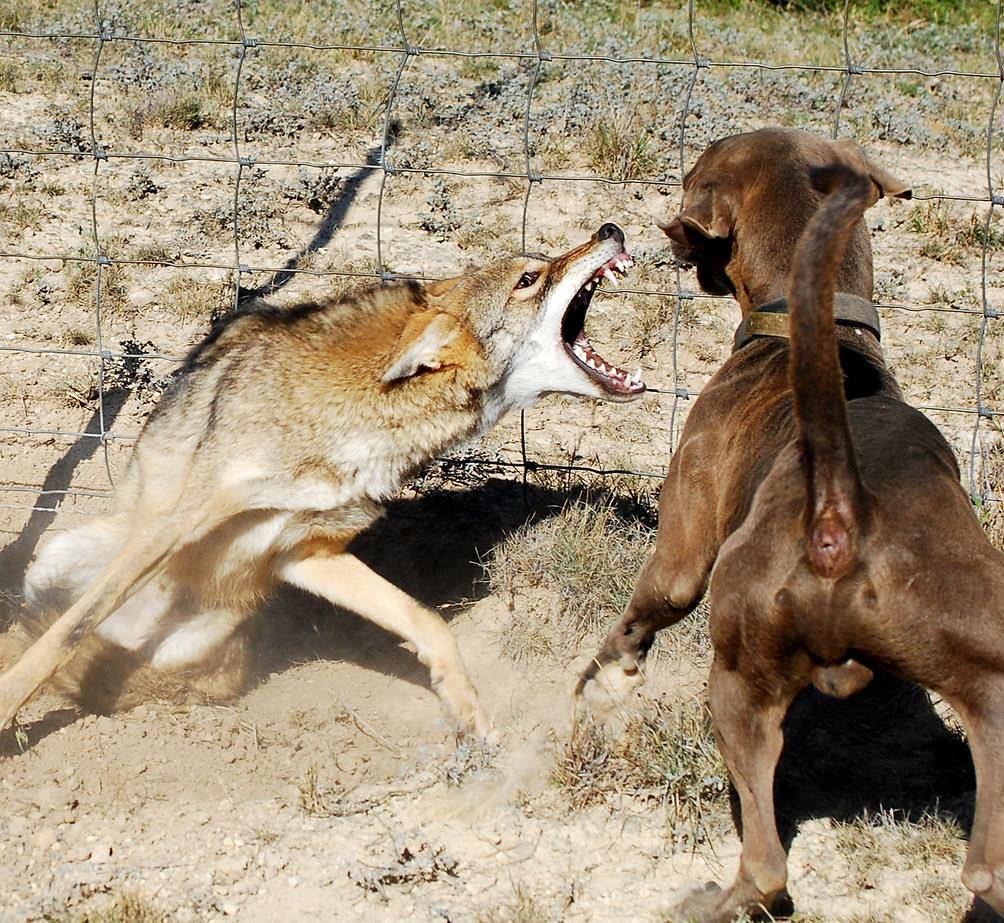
x,y
610,277
579,351
590,363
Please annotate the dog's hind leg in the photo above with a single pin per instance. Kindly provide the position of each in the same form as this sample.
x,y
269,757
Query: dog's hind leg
x,y
344,580
747,717
983,872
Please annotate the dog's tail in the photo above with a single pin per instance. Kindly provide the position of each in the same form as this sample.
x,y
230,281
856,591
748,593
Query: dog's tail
x,y
143,556
833,483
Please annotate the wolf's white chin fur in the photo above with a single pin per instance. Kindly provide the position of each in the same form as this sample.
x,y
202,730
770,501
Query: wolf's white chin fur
x,y
542,365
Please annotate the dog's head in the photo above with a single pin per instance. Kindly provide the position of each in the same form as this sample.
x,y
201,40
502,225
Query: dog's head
x,y
525,319
757,187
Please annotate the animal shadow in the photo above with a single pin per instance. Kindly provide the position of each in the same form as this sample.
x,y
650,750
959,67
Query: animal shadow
x,y
431,547
885,748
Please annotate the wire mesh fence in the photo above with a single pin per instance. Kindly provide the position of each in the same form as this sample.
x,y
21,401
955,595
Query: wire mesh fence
x,y
400,51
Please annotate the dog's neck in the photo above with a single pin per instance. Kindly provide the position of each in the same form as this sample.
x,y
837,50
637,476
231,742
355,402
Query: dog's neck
x,y
771,319
764,289
760,266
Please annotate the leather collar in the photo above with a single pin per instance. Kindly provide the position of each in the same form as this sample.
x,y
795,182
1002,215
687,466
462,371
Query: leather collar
x,y
771,319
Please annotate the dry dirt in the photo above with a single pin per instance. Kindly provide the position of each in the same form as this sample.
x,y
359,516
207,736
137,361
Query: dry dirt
x,y
332,790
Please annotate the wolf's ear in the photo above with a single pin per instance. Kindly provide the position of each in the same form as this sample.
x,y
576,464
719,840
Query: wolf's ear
x,y
888,185
441,287
422,345
709,212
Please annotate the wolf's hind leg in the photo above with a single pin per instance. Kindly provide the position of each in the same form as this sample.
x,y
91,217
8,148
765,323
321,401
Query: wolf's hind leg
x,y
345,581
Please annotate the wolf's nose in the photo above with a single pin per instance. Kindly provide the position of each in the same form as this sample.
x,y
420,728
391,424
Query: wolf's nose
x,y
610,230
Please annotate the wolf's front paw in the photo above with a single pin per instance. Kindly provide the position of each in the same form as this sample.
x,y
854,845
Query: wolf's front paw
x,y
477,727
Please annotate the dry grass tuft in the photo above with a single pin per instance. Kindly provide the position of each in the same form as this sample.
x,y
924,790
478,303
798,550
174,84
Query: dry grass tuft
x,y
666,753
81,286
951,238
617,146
570,575
315,799
194,300
524,908
125,907
881,844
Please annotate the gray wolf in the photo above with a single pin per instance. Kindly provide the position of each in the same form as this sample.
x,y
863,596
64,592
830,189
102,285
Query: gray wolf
x,y
280,440
825,512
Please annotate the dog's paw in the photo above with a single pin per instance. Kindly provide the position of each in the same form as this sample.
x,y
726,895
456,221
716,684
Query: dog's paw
x,y
986,884
602,688
709,903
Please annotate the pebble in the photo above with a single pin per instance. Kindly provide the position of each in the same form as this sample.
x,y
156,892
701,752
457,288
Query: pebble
x,y
141,297
44,839
100,853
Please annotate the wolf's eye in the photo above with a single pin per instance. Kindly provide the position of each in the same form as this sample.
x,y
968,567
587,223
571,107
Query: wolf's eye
x,y
527,279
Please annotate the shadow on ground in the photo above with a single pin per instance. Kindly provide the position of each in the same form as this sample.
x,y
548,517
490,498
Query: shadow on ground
x,y
883,749
432,548
15,556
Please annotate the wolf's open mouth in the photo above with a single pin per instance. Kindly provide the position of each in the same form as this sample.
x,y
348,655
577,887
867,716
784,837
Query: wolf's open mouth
x,y
576,343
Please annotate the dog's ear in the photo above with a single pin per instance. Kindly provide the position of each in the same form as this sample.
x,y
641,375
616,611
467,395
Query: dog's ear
x,y
709,212
885,182
422,346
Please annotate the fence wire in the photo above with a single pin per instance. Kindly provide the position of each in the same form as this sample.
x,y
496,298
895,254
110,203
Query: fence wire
x,y
407,52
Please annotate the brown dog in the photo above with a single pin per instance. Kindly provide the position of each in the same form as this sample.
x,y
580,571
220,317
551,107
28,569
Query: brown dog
x,y
796,480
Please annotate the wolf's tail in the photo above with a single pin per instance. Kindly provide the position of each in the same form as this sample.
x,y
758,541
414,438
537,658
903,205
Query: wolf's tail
x,y
142,558
834,491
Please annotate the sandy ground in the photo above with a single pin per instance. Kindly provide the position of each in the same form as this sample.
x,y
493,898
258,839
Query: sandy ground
x,y
332,789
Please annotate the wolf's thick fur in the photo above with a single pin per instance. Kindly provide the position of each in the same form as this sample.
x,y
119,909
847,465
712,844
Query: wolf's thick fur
x,y
282,437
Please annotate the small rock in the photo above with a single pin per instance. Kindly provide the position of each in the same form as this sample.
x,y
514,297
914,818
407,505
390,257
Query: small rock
x,y
44,839
229,908
100,853
140,297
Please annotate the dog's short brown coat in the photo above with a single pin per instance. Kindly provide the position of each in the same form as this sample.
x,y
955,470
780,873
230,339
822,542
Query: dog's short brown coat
x,y
759,493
